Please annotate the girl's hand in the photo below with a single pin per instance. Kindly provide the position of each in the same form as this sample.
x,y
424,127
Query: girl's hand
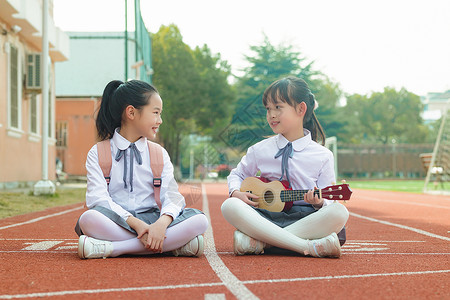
x,y
313,199
154,235
246,196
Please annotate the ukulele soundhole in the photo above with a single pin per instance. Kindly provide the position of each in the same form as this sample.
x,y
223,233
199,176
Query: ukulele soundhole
x,y
268,196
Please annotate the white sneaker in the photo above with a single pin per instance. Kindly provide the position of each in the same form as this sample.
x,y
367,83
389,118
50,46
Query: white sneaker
x,y
193,248
243,244
325,247
92,248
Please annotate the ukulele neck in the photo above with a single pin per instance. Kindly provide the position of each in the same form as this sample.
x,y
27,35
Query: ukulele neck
x,y
296,195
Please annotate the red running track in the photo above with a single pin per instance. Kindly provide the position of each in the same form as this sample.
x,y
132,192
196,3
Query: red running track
x,y
398,247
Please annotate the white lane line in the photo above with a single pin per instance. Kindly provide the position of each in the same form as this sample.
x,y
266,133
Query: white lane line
x,y
370,241
394,253
57,251
41,246
234,285
365,253
215,297
402,226
214,284
33,239
344,276
112,290
41,218
404,202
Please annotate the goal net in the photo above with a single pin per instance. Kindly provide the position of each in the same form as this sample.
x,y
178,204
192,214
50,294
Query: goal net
x,y
438,174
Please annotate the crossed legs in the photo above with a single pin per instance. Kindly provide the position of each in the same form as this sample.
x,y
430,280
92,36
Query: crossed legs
x,y
294,237
95,224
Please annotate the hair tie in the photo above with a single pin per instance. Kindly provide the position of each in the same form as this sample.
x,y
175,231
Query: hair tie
x,y
316,104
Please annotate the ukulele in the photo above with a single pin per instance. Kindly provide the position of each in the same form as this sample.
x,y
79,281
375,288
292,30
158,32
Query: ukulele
x,y
276,196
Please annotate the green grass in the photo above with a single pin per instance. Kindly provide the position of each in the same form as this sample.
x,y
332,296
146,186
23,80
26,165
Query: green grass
x,y
12,204
411,186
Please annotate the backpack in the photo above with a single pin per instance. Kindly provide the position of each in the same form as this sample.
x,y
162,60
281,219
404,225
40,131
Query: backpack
x,y
156,163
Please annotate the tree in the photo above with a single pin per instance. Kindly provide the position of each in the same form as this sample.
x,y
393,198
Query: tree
x,y
387,115
175,76
194,88
216,96
268,64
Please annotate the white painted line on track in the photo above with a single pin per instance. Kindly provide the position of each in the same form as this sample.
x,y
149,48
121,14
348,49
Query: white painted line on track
x,y
370,241
33,239
215,297
405,202
402,227
365,253
37,251
234,285
345,276
112,290
213,284
41,218
41,246
394,253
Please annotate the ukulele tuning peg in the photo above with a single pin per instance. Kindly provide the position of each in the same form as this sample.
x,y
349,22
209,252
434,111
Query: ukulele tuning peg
x,y
343,181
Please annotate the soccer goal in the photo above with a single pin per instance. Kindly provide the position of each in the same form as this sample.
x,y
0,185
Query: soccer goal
x,y
437,180
331,143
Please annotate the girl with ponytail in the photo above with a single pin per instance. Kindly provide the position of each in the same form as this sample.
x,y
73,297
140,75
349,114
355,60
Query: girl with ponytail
x,y
311,225
125,214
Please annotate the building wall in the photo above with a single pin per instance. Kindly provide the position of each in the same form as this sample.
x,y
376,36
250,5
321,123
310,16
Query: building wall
x,y
77,116
21,145
21,149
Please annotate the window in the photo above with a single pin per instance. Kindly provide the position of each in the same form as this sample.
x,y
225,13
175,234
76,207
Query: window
x,y
61,134
14,103
33,114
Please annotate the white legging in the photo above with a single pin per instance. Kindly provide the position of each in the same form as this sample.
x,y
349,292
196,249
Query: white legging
x,y
322,223
95,224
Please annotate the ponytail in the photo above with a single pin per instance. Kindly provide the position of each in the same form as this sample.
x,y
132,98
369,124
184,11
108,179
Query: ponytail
x,y
311,122
116,97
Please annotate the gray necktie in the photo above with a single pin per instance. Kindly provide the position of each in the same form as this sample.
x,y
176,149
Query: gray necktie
x,y
285,153
133,152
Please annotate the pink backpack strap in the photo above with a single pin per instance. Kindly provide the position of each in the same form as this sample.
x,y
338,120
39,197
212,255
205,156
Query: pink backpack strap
x,y
105,158
157,165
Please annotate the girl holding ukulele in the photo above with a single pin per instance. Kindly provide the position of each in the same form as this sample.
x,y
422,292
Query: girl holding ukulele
x,y
310,227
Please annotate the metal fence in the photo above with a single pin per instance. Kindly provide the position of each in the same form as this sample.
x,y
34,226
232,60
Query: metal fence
x,y
382,161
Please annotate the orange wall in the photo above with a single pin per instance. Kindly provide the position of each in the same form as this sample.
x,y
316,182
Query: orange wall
x,y
79,114
21,157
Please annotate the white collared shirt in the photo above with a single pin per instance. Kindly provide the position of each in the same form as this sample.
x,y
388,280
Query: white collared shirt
x,y
312,165
120,199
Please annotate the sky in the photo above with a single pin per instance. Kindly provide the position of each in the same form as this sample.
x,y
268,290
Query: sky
x,y
363,45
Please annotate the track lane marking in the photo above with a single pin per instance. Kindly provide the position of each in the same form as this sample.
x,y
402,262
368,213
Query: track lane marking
x,y
344,276
420,231
234,285
41,218
403,202
213,284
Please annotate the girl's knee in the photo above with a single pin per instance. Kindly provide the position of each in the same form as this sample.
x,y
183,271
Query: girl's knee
x,y
339,212
89,217
229,206
202,222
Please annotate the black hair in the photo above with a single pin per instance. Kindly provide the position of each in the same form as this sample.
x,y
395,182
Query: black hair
x,y
116,97
293,90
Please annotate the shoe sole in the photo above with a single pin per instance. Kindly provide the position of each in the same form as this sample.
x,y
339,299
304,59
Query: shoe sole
x,y
81,242
236,252
201,246
338,245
